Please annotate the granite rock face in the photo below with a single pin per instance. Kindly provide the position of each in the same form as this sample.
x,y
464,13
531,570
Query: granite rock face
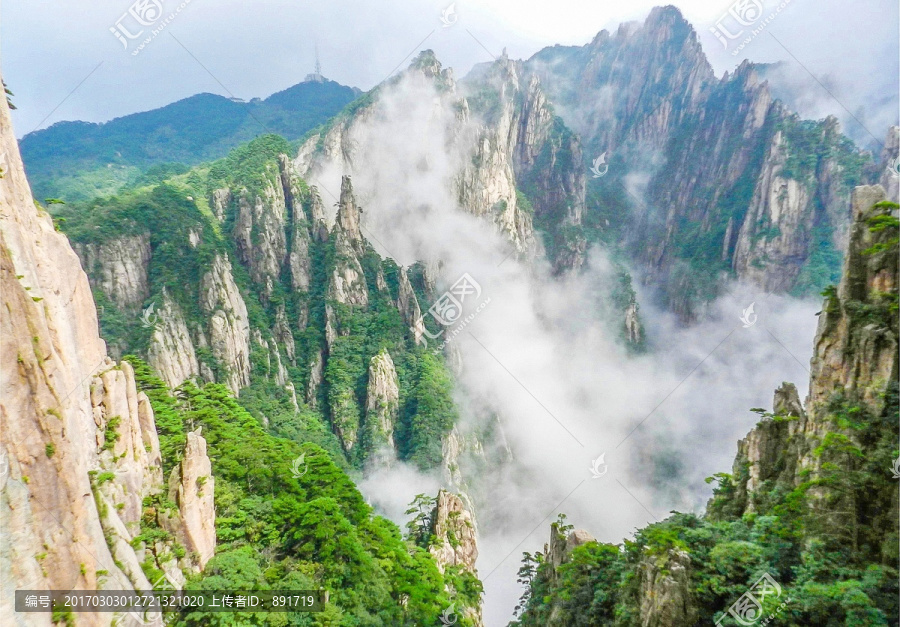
x,y
68,413
855,357
666,590
721,178
382,408
191,487
229,324
118,268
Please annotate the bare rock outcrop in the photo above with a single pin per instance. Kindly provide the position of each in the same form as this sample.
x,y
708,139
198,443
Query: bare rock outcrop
x,y
171,353
316,372
294,191
777,224
666,598
890,164
349,217
560,547
787,401
855,355
859,358
259,233
382,408
118,268
348,282
221,200
408,305
229,324
453,524
483,182
191,487
51,354
317,215
634,331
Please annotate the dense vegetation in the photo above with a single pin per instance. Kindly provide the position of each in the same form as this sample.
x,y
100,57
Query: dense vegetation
x,y
169,212
276,531
79,160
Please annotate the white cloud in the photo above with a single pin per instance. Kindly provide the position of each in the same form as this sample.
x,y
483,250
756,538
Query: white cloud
x,y
544,358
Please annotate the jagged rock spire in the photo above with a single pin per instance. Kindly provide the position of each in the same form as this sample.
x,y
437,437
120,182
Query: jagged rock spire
x,y
349,216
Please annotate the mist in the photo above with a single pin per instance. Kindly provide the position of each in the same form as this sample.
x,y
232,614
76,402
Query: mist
x,y
544,359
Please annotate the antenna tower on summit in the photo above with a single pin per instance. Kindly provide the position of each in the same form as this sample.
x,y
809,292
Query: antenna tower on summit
x,y
316,77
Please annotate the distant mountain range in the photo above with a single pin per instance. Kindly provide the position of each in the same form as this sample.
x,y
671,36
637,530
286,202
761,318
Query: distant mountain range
x,y
79,160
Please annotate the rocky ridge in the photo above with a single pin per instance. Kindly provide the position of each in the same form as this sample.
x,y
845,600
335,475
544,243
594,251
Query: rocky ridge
x,y
732,183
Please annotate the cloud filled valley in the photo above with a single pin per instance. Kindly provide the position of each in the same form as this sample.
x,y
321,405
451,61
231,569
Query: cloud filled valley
x,y
600,336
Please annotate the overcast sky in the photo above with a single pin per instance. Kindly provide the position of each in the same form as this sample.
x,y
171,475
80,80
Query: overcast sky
x,y
50,48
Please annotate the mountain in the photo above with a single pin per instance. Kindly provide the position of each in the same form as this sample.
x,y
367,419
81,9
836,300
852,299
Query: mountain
x,y
277,316
708,178
79,160
804,530
114,479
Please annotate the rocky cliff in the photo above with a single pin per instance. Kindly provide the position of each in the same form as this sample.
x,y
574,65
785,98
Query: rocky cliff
x,y
855,358
545,155
483,181
119,270
810,503
456,545
79,445
192,487
707,177
382,409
